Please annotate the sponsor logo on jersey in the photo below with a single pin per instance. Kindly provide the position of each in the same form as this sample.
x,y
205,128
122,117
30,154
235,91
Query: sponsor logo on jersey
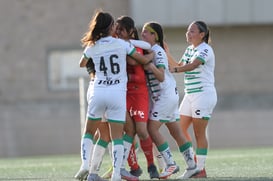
x,y
108,82
136,113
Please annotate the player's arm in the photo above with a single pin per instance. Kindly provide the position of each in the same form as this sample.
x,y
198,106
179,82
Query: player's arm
x,y
83,61
143,59
187,67
141,44
157,71
131,61
90,67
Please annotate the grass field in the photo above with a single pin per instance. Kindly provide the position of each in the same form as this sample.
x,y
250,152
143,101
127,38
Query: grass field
x,y
226,164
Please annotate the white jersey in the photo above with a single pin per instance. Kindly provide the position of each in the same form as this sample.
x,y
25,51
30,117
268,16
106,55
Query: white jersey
x,y
160,60
164,95
109,57
203,76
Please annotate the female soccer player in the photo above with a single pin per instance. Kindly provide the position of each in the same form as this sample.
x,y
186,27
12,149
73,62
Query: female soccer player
x,y
164,105
137,98
107,93
200,98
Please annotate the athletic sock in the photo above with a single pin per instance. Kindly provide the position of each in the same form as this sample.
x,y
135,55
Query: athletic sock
x,y
160,160
127,142
132,158
188,154
147,148
98,153
201,156
86,150
117,156
165,151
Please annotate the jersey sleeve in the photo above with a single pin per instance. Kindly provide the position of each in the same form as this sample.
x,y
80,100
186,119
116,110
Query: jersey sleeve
x,y
160,59
202,55
86,53
130,49
141,44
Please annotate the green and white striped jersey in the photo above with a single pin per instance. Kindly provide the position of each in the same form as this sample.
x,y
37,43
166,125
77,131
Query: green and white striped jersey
x,y
169,83
203,76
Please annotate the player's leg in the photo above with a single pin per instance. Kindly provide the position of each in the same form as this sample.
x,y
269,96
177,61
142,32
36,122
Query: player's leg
x,y
205,104
185,148
160,160
185,111
100,147
116,130
132,160
116,116
128,138
139,113
87,145
163,148
135,169
200,132
146,144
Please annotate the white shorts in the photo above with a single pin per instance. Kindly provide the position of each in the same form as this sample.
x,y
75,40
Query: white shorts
x,y
165,109
110,103
199,105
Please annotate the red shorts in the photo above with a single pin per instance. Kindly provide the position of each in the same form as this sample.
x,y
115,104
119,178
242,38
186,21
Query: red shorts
x,y
138,106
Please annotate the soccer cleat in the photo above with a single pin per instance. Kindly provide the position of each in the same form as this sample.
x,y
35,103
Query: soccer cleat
x,y
81,174
152,170
125,175
169,170
136,172
94,177
108,173
201,174
189,173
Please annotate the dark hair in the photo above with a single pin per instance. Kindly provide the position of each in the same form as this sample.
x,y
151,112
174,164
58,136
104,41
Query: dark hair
x,y
135,34
129,25
99,27
158,30
203,28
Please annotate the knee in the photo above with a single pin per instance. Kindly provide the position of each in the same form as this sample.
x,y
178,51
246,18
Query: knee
x,y
142,133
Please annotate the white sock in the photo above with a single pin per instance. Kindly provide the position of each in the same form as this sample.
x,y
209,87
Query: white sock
x,y
86,149
201,161
117,157
97,157
160,160
167,155
127,147
188,155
